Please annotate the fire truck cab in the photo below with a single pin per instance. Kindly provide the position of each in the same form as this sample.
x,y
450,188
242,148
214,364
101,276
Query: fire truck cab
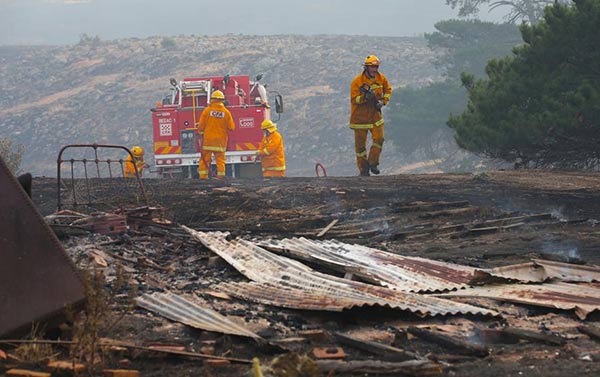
x,y
175,118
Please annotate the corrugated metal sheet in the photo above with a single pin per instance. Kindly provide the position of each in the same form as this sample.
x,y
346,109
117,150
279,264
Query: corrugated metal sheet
x,y
541,270
37,277
403,273
178,309
281,281
584,299
570,272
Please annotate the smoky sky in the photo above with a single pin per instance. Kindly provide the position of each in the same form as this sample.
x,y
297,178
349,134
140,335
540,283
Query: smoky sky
x,y
39,22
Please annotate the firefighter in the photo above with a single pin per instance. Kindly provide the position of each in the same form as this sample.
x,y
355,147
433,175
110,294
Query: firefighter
x,y
270,151
138,158
213,127
369,92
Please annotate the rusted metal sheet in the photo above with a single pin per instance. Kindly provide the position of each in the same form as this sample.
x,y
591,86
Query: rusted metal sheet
x,y
179,309
37,277
410,274
583,299
539,271
281,281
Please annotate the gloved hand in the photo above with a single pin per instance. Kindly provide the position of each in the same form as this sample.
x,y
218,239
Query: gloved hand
x,y
366,90
379,104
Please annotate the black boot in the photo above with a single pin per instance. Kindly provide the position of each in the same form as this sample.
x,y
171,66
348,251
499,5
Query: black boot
x,y
364,173
374,169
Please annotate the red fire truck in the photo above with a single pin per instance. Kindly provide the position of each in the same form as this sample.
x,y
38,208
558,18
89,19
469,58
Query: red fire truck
x,y
175,118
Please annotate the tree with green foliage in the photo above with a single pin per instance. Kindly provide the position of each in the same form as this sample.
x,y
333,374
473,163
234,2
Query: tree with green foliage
x,y
530,11
11,155
168,42
419,115
540,107
88,40
469,44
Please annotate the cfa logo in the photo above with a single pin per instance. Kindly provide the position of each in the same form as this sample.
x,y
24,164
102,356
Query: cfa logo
x,y
247,123
166,129
217,114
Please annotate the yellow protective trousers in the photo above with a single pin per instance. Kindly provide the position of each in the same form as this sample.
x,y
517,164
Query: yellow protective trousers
x,y
273,173
206,158
363,161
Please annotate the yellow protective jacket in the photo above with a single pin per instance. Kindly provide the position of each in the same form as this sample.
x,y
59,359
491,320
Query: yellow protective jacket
x,y
215,123
363,113
271,151
129,169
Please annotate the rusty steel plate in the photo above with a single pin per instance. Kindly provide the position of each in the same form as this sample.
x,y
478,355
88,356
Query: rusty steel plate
x,y
284,282
37,278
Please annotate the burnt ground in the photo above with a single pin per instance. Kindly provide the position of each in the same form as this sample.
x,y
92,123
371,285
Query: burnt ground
x,y
486,220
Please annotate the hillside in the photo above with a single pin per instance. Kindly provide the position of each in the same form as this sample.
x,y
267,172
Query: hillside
x,y
101,91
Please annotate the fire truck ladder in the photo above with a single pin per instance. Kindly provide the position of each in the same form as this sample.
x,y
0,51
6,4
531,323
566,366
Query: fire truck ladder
x,y
89,181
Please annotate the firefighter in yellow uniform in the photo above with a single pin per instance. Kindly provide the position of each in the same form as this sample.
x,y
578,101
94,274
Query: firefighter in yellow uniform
x,y
270,151
138,160
213,127
369,92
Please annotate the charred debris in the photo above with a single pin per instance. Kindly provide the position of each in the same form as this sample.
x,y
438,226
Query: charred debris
x,y
281,277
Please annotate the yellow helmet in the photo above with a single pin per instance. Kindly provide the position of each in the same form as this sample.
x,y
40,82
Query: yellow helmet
x,y
137,151
372,60
217,94
268,125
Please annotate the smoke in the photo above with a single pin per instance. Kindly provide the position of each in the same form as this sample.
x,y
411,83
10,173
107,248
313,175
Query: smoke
x,y
557,213
562,248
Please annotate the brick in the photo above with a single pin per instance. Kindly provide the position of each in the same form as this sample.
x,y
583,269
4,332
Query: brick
x,y
121,373
316,335
109,224
167,347
65,365
124,362
329,353
26,373
216,363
